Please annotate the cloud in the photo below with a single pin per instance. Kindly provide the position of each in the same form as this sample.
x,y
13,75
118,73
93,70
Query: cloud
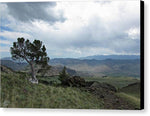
x,y
134,33
6,42
13,35
30,11
90,28
4,49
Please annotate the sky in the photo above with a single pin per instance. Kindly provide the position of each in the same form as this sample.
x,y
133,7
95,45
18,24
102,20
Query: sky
x,y
73,29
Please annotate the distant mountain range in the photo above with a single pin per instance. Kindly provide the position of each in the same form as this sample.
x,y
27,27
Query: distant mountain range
x,y
53,71
99,68
121,57
92,66
6,58
97,57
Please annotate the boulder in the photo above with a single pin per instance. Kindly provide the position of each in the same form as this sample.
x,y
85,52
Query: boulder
x,y
75,81
34,81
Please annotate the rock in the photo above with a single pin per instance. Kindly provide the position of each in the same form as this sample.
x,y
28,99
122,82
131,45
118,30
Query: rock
x,y
75,81
105,86
34,81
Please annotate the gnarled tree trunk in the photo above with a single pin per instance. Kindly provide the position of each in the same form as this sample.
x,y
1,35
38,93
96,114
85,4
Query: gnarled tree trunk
x,y
34,79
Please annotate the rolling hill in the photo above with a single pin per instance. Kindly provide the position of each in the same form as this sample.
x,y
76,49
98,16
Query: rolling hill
x,y
132,89
16,66
89,67
98,68
22,66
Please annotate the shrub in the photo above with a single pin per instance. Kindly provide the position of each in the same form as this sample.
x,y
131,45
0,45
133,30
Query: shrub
x,y
63,76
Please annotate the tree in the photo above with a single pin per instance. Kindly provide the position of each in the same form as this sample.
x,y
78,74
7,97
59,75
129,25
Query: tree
x,y
63,76
32,53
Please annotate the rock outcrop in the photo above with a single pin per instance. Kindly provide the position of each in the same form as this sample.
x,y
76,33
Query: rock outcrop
x,y
105,86
75,81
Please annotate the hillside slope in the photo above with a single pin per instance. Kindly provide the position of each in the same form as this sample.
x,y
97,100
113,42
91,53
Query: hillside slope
x,y
132,89
14,65
18,92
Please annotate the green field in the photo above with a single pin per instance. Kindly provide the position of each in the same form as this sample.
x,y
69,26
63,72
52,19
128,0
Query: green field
x,y
17,92
118,82
49,80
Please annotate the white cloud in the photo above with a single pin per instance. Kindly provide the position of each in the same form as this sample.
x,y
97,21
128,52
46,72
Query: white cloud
x,y
14,35
4,49
134,33
90,28
5,42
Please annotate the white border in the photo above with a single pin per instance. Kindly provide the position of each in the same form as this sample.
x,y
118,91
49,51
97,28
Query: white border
x,y
66,112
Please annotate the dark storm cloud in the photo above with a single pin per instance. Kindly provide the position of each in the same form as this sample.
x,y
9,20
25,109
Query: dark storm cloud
x,y
30,11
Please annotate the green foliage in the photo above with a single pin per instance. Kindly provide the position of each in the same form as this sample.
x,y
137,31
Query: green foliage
x,y
25,50
17,92
63,76
49,80
32,53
